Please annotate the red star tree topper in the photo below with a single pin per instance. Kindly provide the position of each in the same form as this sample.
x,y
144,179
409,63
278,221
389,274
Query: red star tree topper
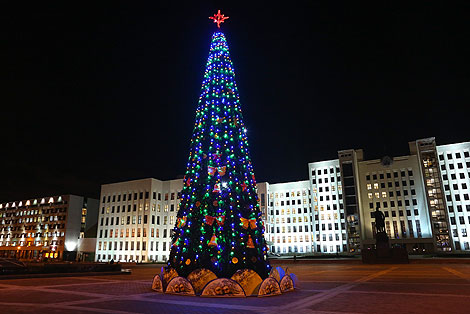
x,y
218,18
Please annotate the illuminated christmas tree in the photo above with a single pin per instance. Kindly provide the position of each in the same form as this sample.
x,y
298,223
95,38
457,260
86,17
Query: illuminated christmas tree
x,y
219,224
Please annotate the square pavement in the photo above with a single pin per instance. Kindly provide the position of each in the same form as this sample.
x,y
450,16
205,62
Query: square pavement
x,y
324,288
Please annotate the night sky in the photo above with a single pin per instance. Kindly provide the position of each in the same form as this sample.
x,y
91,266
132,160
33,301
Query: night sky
x,y
100,92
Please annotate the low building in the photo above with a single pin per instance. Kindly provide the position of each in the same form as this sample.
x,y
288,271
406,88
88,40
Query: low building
x,y
287,214
454,168
396,187
136,220
329,223
46,228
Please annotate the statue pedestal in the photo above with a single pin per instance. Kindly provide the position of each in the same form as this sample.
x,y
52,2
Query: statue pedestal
x,y
382,241
383,253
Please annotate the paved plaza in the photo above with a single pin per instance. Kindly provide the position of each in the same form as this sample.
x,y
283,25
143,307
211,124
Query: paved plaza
x,y
324,288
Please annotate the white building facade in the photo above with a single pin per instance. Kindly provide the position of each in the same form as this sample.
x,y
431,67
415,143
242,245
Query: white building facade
x,y
454,163
397,188
136,220
288,217
329,227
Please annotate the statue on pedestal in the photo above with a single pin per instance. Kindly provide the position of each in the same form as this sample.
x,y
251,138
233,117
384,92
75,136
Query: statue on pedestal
x,y
382,240
383,253
379,220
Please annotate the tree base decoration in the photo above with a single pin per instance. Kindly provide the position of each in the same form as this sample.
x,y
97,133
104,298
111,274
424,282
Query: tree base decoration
x,y
244,283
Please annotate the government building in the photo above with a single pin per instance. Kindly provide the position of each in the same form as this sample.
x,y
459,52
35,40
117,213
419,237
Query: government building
x,y
52,227
136,220
424,197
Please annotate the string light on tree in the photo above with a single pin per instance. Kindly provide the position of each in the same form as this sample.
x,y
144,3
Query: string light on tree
x,y
218,224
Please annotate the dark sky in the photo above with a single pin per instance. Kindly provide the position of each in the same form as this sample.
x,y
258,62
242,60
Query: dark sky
x,y
98,92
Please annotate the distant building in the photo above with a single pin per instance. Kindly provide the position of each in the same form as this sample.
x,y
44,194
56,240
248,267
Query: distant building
x,y
287,215
424,196
46,228
328,207
136,220
454,168
396,187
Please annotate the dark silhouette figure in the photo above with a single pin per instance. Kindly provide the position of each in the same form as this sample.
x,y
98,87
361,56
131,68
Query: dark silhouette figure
x,y
379,220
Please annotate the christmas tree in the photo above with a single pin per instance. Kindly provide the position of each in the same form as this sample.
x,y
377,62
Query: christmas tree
x,y
219,224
